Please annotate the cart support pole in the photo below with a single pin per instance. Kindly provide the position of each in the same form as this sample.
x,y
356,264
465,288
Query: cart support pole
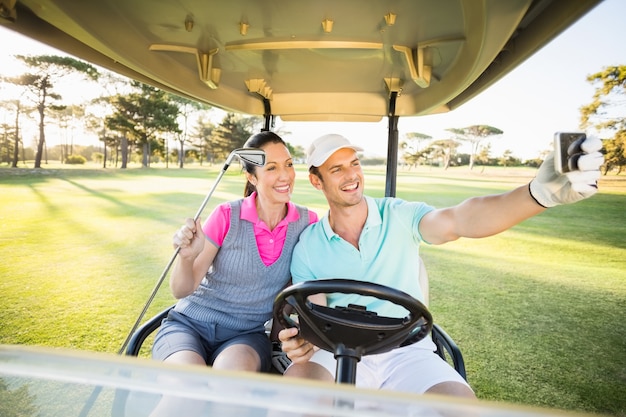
x,y
392,147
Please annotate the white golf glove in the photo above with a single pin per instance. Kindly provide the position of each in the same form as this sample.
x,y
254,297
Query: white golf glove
x,y
549,188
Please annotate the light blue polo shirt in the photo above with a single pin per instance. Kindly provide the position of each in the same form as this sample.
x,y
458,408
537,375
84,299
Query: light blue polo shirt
x,y
388,255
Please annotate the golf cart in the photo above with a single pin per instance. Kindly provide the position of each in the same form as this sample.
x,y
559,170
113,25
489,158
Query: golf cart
x,y
307,61
295,297
348,332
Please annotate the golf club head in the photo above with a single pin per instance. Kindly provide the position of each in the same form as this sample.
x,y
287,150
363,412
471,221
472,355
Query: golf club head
x,y
253,156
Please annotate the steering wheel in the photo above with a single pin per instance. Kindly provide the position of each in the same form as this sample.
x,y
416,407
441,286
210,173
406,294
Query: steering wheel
x,y
351,331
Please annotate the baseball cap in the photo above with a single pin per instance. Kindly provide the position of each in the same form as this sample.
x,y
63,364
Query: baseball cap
x,y
324,146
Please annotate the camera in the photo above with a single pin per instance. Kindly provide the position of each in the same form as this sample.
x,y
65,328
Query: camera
x,y
567,150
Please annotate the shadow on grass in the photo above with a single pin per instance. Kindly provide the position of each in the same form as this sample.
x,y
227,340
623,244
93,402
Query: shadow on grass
x,y
557,342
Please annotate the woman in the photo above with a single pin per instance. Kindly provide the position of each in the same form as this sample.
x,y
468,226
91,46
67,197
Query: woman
x,y
229,270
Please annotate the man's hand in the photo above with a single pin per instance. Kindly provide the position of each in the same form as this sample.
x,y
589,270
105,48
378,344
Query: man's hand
x,y
550,188
296,348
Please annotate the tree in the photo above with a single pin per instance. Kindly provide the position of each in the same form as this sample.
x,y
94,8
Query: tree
x,y
12,148
474,135
117,122
444,150
5,142
605,114
412,152
232,133
483,155
39,86
185,108
114,86
615,149
140,116
296,152
507,159
201,138
67,117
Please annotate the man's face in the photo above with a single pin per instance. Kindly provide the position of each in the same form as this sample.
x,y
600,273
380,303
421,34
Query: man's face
x,y
341,178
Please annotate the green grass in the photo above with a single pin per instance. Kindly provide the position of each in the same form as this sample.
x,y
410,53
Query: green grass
x,y
539,311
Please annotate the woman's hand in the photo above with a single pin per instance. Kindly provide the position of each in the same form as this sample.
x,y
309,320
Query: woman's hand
x,y
190,239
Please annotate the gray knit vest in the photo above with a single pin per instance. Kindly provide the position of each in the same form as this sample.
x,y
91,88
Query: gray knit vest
x,y
238,291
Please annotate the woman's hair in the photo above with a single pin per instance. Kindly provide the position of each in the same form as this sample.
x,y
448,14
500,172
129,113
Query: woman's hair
x,y
258,140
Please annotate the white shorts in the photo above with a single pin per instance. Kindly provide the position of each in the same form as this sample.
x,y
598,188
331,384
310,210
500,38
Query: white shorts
x,y
414,368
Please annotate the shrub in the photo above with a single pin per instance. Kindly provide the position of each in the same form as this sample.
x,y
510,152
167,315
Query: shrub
x,y
97,156
75,160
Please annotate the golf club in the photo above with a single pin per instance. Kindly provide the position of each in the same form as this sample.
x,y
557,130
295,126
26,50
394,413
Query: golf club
x,y
246,155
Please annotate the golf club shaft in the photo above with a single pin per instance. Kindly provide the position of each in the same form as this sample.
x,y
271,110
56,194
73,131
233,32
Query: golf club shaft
x,y
208,196
96,392
252,158
169,265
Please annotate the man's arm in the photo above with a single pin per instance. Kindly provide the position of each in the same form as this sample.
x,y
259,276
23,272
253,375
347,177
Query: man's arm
x,y
485,216
479,216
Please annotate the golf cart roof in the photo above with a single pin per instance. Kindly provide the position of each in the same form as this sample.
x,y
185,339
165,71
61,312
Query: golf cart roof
x,y
302,60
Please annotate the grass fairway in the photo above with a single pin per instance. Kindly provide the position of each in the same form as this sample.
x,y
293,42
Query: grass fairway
x,y
539,311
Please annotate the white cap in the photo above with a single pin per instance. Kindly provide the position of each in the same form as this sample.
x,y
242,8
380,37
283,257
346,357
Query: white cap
x,y
323,147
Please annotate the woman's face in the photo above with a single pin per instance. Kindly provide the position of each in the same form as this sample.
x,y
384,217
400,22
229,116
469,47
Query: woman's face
x,y
274,181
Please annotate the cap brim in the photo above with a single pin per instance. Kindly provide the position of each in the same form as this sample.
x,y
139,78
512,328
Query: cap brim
x,y
321,159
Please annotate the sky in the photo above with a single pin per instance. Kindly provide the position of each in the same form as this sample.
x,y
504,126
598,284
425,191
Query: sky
x,y
540,97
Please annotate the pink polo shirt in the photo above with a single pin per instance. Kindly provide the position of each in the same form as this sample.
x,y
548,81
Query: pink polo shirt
x,y
269,242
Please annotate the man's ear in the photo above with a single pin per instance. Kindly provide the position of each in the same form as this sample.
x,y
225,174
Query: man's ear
x,y
315,181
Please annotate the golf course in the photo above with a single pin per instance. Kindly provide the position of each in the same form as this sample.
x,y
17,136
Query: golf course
x,y
538,311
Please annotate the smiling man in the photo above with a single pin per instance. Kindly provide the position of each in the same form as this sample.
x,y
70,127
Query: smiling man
x,y
377,240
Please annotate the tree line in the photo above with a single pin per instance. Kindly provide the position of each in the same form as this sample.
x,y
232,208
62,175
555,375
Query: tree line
x,y
134,119
130,118
604,115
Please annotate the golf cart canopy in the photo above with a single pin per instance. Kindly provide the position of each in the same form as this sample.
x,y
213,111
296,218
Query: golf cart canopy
x,y
326,60
346,60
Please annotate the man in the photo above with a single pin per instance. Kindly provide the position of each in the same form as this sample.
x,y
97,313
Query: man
x,y
378,240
